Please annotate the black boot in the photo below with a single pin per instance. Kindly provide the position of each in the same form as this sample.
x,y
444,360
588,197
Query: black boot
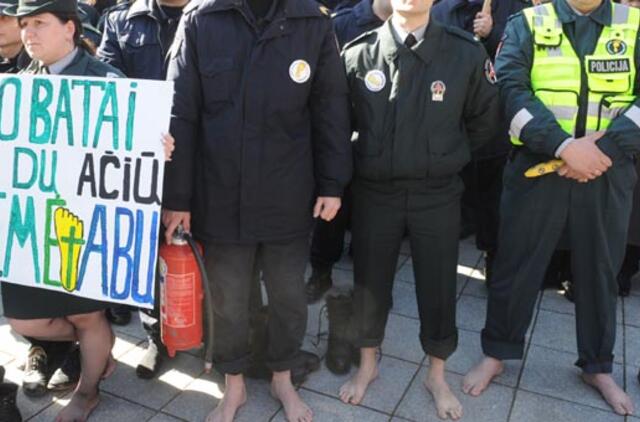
x,y
67,375
152,360
340,350
318,284
8,410
119,315
36,372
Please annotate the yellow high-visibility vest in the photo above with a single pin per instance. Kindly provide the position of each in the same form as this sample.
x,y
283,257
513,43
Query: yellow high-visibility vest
x,y
610,70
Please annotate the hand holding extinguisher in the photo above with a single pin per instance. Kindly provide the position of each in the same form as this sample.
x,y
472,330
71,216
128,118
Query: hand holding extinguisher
x,y
183,279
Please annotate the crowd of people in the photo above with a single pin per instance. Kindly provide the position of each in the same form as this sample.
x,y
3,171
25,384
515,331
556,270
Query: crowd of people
x,y
293,122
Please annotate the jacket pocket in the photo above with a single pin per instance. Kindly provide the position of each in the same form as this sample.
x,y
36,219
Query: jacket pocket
x,y
217,75
142,53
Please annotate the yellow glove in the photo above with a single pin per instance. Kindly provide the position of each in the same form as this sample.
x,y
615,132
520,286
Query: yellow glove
x,y
544,168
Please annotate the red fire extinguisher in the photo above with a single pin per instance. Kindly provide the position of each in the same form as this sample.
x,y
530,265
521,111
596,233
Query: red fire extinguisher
x,y
183,285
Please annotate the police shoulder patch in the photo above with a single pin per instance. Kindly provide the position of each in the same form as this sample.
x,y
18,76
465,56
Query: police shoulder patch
x,y
490,72
357,40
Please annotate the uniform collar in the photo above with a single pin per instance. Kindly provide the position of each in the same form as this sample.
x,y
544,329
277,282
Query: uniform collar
x,y
57,67
363,12
602,15
426,49
146,8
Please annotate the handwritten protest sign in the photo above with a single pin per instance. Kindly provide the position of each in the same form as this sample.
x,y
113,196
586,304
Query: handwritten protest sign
x,y
81,183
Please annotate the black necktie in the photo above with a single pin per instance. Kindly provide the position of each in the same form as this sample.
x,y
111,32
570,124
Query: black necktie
x,y
410,41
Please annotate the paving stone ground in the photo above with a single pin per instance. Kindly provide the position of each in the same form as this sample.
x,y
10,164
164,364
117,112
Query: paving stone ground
x,y
545,386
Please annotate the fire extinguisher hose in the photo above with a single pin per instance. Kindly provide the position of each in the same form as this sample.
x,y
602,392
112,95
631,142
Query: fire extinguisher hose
x,y
208,351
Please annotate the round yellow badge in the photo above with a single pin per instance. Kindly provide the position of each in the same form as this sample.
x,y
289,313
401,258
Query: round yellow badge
x,y
375,80
300,71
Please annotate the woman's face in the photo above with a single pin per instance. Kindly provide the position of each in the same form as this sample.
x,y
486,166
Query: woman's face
x,y
45,38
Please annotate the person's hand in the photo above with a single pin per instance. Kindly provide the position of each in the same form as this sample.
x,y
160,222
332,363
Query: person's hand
x,y
583,159
169,144
172,219
483,24
326,207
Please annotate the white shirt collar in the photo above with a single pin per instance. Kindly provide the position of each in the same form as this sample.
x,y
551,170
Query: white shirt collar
x,y
402,35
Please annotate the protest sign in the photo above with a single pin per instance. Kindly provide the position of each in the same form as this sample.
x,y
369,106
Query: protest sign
x,y
81,184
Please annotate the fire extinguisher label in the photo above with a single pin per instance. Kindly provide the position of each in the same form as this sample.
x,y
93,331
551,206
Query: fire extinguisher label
x,y
179,300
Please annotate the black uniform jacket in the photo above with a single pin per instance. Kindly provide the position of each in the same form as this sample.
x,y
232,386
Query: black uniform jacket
x,y
419,112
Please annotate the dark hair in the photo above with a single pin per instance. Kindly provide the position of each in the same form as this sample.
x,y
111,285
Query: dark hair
x,y
79,38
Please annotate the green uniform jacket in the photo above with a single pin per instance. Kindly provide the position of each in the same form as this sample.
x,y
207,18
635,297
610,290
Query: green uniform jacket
x,y
543,135
419,112
83,64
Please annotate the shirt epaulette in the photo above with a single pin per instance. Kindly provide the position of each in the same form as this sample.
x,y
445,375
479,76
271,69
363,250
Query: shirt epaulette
x,y
358,39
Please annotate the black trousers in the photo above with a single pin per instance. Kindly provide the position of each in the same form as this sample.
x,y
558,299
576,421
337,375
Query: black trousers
x,y
327,243
534,215
231,271
429,211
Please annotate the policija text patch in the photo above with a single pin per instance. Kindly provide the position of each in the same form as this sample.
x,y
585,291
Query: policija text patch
x,y
609,65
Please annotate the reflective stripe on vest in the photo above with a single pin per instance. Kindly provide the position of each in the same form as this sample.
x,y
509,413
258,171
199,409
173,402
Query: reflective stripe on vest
x,y
556,70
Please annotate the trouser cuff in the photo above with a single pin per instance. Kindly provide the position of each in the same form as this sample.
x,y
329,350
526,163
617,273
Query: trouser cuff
x,y
285,364
500,349
232,367
440,349
367,343
599,366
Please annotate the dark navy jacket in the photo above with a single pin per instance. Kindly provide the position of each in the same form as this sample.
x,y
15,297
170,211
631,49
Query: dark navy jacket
x,y
461,13
351,22
260,118
132,41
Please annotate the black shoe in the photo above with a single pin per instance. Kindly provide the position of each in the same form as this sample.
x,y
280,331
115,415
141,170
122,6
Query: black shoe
x,y
8,410
624,284
151,361
34,382
568,292
317,285
309,362
119,315
67,375
339,351
1,373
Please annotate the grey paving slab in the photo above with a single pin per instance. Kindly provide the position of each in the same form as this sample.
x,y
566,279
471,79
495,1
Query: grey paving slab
x,y
469,353
632,311
558,331
552,373
203,394
163,417
476,286
492,406
327,409
124,344
383,394
175,375
530,407
632,345
632,386
471,312
404,299
342,279
401,339
468,255
110,409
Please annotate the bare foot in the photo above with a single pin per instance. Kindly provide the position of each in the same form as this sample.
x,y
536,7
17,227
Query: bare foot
x,y
479,378
235,396
447,404
282,390
611,392
353,391
79,408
